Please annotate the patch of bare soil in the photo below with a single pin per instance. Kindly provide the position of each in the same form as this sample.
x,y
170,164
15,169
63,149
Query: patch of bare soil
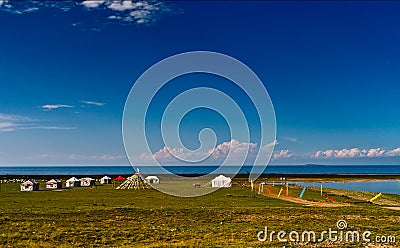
x,y
311,203
393,208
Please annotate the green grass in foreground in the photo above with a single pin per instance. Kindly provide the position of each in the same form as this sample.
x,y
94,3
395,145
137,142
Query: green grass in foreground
x,y
147,218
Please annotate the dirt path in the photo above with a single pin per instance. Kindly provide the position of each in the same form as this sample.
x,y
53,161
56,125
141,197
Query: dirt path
x,y
393,208
308,203
312,203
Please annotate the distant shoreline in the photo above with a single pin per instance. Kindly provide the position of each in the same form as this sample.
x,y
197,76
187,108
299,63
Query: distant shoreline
x,y
207,165
304,171
238,176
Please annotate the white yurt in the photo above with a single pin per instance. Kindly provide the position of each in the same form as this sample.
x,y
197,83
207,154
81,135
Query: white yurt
x,y
54,184
73,182
87,182
30,185
221,182
152,180
106,180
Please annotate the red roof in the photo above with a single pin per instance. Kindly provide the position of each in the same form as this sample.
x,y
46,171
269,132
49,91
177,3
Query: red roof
x,y
119,178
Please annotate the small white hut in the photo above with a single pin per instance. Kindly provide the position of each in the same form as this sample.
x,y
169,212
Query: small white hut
x,y
152,180
30,185
87,182
72,182
221,182
54,184
106,180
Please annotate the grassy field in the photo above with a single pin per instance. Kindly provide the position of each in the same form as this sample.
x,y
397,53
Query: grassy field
x,y
105,217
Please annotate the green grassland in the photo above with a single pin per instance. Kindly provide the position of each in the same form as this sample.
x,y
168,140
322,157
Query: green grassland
x,y
231,217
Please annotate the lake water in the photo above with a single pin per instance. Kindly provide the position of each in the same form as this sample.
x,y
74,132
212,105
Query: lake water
x,y
381,186
271,169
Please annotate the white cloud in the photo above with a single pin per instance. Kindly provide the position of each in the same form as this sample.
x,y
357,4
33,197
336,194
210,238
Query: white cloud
x,y
164,155
105,157
6,126
283,154
112,157
55,106
46,158
14,118
356,153
394,152
291,139
141,21
269,146
47,127
93,103
42,156
113,17
169,155
375,152
140,14
237,149
92,3
29,10
9,123
16,7
123,5
123,11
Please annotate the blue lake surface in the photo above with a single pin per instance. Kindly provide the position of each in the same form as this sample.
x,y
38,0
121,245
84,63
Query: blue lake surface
x,y
380,186
271,169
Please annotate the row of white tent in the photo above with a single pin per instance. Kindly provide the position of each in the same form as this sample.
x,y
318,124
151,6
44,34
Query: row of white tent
x,y
31,185
86,181
74,182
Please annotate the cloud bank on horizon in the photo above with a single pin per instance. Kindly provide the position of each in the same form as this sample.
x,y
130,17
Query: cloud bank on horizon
x,y
215,155
357,153
219,153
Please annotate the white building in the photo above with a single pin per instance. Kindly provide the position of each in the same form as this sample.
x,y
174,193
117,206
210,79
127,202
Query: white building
x,y
72,182
105,180
221,182
152,180
30,185
87,182
54,184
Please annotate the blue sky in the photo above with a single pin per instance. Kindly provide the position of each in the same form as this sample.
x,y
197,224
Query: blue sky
x,y
332,70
